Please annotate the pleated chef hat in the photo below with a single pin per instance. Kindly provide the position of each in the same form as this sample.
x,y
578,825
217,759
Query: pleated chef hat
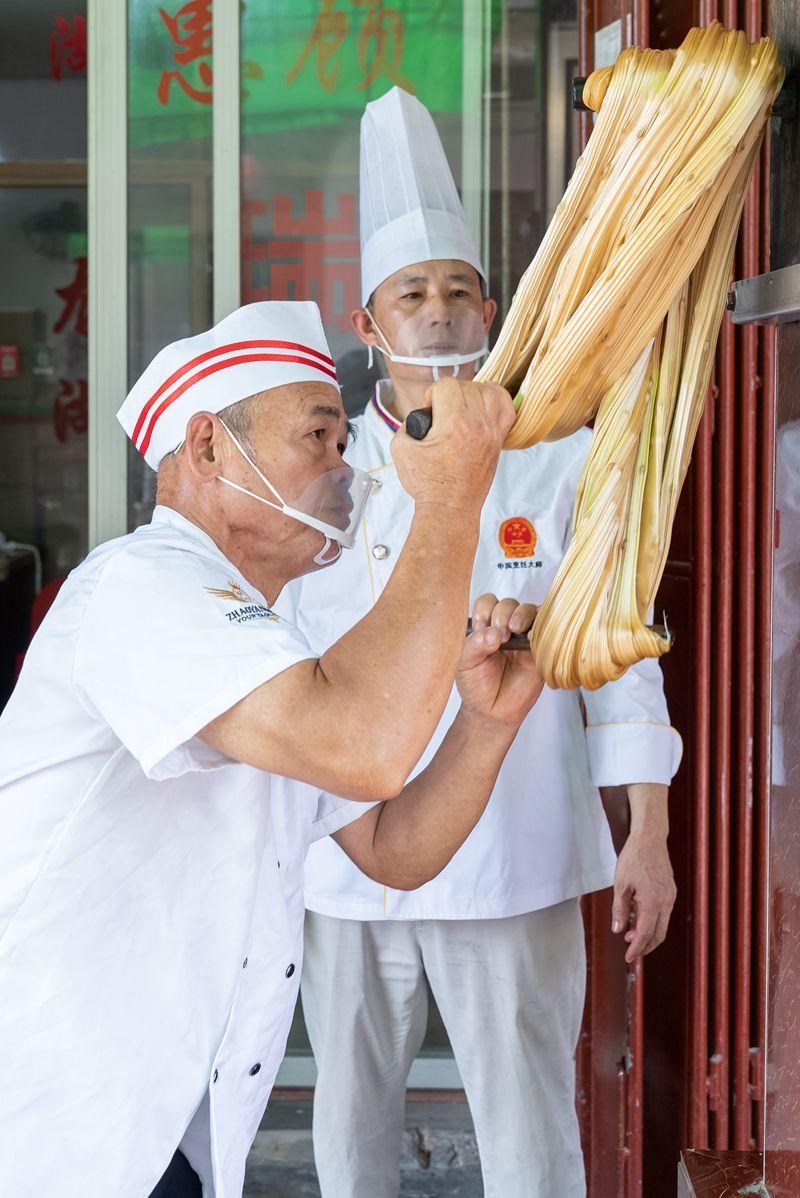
x,y
254,349
410,209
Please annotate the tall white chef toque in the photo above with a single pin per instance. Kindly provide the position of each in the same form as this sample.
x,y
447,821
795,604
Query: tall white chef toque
x,y
410,212
256,348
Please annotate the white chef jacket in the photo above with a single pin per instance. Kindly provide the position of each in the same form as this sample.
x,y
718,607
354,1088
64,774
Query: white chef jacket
x,y
543,837
151,905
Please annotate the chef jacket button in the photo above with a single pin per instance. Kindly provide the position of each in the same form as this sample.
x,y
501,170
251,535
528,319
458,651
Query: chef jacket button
x,y
289,970
255,1069
216,1075
244,963
376,484
381,552
279,865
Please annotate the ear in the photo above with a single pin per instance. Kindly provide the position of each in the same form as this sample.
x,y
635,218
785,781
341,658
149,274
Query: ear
x,y
203,445
364,328
489,313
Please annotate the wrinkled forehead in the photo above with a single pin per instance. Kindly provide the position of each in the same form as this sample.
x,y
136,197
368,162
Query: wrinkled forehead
x,y
438,273
294,403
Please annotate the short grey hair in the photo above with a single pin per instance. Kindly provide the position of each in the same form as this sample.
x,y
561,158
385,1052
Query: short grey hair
x,y
239,418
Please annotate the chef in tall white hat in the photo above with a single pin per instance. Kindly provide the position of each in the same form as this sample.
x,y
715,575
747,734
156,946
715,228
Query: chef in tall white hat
x,y
498,933
151,841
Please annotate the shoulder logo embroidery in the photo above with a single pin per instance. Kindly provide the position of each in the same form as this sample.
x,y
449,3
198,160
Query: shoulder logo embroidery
x,y
251,608
517,537
234,592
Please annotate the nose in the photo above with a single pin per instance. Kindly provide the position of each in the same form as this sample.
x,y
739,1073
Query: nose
x,y
439,311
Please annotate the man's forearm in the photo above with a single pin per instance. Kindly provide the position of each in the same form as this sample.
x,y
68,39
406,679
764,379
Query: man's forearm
x,y
417,833
649,809
402,656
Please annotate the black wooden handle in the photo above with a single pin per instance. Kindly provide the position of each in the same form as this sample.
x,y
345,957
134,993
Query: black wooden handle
x,y
418,423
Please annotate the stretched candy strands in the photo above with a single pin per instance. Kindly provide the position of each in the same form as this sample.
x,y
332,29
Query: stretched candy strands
x,y
617,318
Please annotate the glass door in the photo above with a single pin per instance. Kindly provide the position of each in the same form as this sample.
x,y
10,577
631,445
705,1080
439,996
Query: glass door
x,y
43,312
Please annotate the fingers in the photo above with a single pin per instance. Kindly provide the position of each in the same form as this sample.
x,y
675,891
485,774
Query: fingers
x,y
499,406
493,622
660,933
649,930
446,398
501,616
506,614
482,611
621,909
452,399
522,617
478,646
641,933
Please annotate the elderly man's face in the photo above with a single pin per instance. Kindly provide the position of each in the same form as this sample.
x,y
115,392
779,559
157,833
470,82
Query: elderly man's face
x,y
297,434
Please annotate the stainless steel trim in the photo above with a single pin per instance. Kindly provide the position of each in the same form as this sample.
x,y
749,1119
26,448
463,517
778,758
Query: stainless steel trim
x,y
773,298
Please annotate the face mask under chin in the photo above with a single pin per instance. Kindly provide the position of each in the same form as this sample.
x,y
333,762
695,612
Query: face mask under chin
x,y
418,342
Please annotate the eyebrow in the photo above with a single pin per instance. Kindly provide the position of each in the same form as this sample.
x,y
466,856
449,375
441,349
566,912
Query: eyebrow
x,y
322,409
454,278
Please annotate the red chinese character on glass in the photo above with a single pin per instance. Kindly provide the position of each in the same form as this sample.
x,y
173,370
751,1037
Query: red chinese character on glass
x,y
68,46
74,296
191,30
319,260
381,45
325,41
71,408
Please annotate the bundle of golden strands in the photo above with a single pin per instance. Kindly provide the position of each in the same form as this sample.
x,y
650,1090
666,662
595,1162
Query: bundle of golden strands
x,y
617,318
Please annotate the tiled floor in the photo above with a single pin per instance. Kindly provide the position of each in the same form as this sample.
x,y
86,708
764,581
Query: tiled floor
x,y
439,1158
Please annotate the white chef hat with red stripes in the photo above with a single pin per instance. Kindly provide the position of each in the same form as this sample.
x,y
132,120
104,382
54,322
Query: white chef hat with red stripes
x,y
256,348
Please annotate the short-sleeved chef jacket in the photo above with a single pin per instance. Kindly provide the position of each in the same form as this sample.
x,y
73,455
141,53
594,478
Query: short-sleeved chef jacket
x,y
544,837
151,904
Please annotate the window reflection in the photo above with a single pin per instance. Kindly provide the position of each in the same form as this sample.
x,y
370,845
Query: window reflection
x,y
43,313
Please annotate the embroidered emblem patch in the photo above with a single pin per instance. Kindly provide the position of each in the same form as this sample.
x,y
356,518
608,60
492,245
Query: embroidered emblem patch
x,y
517,537
234,592
251,609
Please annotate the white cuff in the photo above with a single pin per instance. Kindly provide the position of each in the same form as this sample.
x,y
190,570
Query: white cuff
x,y
347,811
620,754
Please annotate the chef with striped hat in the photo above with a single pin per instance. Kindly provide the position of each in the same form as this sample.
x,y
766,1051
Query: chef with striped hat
x,y
173,747
497,935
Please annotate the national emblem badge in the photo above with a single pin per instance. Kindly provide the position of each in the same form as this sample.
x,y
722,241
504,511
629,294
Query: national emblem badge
x,y
517,537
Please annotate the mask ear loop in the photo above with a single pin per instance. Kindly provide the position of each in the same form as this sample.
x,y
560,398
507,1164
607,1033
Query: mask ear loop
x,y
371,348
252,464
388,352
320,558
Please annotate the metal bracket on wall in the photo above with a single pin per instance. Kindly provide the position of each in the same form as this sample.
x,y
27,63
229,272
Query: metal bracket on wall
x,y
785,105
773,298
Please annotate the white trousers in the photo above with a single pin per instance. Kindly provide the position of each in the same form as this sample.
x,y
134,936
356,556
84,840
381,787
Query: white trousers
x,y
510,992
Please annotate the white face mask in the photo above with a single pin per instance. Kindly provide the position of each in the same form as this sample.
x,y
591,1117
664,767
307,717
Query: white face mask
x,y
420,343
333,503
